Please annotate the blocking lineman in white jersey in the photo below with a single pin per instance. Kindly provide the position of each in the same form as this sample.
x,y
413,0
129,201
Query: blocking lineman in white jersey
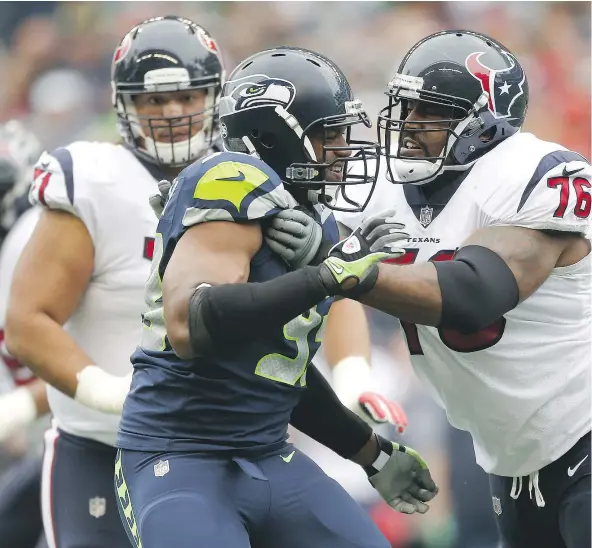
x,y
493,284
529,411
77,299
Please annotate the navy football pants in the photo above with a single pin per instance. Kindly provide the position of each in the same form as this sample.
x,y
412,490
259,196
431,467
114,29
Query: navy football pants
x,y
77,496
20,505
565,521
197,500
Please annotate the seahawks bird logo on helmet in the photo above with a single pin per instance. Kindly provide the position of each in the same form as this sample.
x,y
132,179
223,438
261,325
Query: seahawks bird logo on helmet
x,y
262,91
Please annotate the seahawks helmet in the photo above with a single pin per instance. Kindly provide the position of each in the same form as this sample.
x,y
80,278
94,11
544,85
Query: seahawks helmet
x,y
271,105
475,88
166,54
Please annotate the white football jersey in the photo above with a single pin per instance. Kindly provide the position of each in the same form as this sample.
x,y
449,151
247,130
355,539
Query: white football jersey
x,y
108,189
521,387
11,250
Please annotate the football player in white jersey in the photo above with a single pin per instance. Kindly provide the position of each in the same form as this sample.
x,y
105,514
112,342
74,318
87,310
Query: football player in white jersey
x,y
493,290
20,509
19,150
78,288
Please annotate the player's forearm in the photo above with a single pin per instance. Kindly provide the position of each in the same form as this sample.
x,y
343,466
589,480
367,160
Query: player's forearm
x,y
47,349
223,316
346,344
411,293
38,391
321,416
347,332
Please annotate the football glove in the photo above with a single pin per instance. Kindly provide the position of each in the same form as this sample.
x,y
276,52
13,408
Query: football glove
x,y
376,409
351,269
102,391
352,278
158,201
402,478
295,236
377,233
17,409
351,382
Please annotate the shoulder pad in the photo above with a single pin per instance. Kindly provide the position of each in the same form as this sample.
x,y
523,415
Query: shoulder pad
x,y
232,187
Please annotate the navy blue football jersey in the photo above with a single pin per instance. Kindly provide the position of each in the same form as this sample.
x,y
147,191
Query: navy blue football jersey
x,y
242,399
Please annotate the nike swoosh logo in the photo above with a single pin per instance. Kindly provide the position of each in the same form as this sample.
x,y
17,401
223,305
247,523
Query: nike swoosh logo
x,y
338,269
289,457
567,173
239,177
572,471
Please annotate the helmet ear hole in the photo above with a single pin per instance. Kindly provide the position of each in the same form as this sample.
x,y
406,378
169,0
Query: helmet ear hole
x,y
268,140
488,134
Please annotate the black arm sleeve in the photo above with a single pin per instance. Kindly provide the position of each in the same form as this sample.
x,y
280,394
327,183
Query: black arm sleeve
x,y
477,288
325,419
232,314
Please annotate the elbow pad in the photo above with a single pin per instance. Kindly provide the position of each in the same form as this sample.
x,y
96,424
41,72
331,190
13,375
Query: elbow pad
x,y
477,288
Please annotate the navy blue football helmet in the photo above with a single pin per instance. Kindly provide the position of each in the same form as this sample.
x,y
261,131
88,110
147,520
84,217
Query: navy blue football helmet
x,y
476,88
272,105
166,54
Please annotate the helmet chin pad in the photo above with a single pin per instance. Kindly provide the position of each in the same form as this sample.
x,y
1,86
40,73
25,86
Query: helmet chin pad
x,y
171,154
177,153
414,171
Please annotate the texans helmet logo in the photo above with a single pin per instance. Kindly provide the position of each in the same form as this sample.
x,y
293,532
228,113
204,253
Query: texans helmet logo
x,y
207,41
504,86
122,50
265,92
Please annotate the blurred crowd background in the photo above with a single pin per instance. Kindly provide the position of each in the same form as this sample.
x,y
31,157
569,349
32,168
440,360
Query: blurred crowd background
x,y
56,57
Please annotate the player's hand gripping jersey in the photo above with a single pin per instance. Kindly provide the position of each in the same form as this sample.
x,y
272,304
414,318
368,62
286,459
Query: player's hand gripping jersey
x,y
516,386
242,398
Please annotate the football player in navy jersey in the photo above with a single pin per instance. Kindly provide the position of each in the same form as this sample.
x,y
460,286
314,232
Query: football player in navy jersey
x,y
230,330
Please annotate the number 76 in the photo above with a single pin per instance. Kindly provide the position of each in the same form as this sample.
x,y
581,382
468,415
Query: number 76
x,y
583,198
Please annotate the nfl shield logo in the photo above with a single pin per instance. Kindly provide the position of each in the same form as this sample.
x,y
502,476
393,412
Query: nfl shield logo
x,y
161,468
425,215
497,506
97,507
